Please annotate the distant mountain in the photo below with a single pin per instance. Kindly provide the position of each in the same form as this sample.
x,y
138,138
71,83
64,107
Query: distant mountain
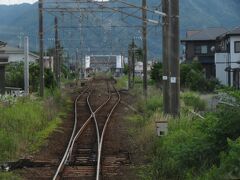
x,y
22,19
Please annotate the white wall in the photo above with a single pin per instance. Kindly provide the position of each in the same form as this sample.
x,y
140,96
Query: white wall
x,y
119,63
234,56
87,62
19,58
221,64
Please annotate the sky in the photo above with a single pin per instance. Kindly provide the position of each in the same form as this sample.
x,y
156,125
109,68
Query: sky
x,y
9,2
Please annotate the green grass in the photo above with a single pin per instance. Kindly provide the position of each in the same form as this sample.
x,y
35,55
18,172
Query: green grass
x,y
122,82
194,101
194,148
41,136
142,124
9,176
26,124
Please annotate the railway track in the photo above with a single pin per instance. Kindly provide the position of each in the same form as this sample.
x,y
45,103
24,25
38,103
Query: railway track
x,y
93,111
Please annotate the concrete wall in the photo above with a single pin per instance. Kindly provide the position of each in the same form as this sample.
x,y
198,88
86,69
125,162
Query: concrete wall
x,y
234,56
221,65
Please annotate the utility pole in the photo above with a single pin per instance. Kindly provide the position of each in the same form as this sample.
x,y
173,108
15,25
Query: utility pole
x,y
133,62
57,58
81,67
129,68
174,57
81,47
166,53
77,65
26,66
144,34
41,63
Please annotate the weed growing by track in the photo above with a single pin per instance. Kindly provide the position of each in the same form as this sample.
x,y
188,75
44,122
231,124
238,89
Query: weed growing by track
x,y
9,176
194,148
122,82
193,100
142,124
25,125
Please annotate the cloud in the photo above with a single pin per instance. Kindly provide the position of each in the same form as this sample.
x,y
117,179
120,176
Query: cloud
x,y
10,2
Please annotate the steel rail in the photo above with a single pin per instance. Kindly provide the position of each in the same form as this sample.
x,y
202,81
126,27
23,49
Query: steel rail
x,y
73,139
103,133
93,115
63,161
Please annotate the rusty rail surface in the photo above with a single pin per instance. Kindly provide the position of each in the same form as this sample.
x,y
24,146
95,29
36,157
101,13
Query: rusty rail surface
x,y
100,138
66,154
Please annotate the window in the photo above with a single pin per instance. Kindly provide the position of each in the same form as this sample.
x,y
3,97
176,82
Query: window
x,y
198,50
204,49
201,49
237,46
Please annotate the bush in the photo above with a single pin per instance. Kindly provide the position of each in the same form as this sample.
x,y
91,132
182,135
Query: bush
x,y
193,148
229,167
157,72
194,101
192,76
196,81
15,76
149,106
184,70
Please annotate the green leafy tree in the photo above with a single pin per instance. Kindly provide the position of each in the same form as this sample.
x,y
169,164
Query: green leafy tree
x,y
157,72
126,69
192,76
15,76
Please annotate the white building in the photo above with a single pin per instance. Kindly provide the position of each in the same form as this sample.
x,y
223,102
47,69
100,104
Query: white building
x,y
48,62
227,58
104,63
139,67
16,54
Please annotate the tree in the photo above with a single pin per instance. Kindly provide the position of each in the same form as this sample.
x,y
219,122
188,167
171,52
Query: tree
x,y
157,73
192,76
15,76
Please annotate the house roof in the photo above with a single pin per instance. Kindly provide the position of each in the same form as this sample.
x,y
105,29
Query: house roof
x,y
14,50
233,32
204,34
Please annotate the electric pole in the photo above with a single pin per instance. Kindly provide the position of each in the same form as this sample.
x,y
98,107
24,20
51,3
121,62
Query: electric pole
x,y
129,67
133,62
26,66
57,58
41,63
166,53
144,34
174,57
77,65
81,67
